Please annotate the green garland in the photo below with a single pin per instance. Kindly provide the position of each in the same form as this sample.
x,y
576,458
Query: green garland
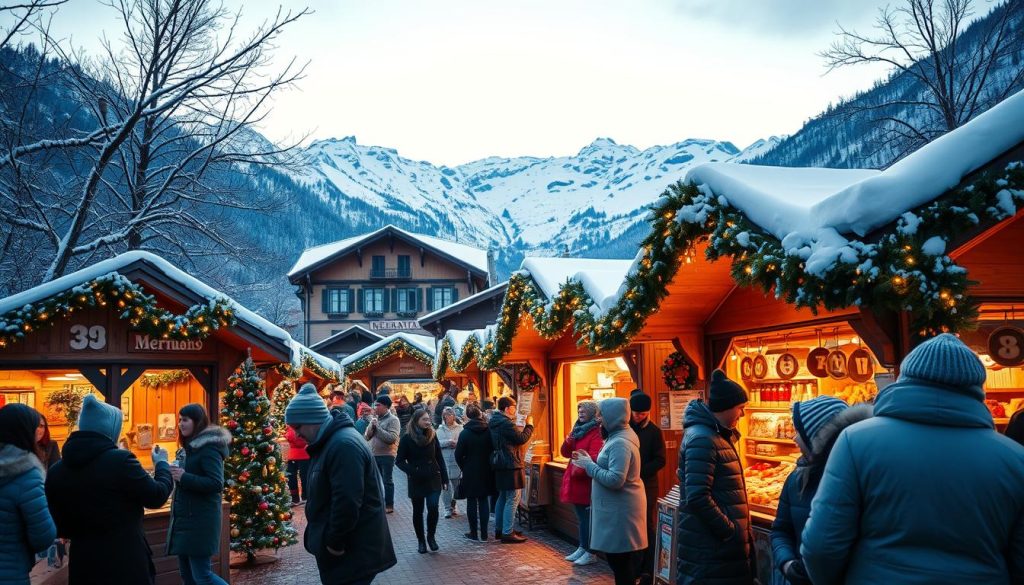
x,y
906,269
137,307
396,346
293,372
164,379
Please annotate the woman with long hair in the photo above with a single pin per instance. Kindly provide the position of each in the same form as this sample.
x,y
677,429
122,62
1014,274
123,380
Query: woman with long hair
x,y
194,534
48,448
419,456
28,527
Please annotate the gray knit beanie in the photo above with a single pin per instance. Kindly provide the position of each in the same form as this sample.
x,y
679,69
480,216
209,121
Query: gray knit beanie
x,y
809,416
946,361
306,408
100,417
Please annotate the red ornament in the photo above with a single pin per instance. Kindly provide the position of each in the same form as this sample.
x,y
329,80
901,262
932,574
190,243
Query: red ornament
x,y
245,451
232,424
238,393
264,506
267,430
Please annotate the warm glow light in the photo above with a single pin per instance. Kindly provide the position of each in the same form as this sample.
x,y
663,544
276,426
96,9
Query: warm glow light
x,y
621,363
60,378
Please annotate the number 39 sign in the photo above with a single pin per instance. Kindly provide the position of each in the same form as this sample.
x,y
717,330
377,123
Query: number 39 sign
x,y
1006,346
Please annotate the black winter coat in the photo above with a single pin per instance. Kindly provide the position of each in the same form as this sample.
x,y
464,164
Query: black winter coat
x,y
196,507
97,494
439,409
473,454
714,540
652,452
423,464
510,440
345,507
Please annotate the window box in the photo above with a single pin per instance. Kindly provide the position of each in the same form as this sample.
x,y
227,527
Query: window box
x,y
337,316
406,314
373,314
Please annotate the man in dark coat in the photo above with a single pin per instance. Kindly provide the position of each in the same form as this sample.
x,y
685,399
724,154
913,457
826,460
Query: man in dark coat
x,y
714,538
926,491
509,478
97,494
473,455
652,460
445,401
346,529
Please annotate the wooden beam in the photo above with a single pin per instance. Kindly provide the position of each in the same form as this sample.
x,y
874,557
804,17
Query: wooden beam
x,y
632,358
128,377
879,330
96,377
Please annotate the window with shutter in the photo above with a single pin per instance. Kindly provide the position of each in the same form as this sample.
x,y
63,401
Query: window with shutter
x,y
360,295
403,267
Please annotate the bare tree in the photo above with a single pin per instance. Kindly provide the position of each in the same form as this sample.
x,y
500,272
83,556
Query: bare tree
x,y
959,71
22,16
175,102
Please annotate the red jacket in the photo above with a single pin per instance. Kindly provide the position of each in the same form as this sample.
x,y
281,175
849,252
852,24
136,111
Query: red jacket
x,y
576,482
297,450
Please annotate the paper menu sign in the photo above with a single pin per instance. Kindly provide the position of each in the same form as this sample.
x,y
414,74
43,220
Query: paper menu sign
x,y
524,408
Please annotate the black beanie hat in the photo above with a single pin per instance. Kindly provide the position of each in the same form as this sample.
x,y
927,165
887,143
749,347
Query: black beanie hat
x,y
723,393
639,402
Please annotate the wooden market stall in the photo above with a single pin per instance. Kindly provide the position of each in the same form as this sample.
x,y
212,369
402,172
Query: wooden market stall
x,y
145,337
401,362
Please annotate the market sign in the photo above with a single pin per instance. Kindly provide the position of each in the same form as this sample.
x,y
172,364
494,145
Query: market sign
x,y
393,325
143,342
817,362
862,367
1006,346
787,366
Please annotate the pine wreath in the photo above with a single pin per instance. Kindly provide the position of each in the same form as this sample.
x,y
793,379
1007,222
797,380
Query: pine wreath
x,y
677,372
527,380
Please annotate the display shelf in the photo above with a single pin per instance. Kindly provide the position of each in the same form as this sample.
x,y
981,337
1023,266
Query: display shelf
x,y
1004,390
768,408
1001,421
775,458
780,380
767,512
771,440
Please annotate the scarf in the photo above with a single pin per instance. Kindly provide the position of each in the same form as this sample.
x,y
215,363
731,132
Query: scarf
x,y
422,437
581,429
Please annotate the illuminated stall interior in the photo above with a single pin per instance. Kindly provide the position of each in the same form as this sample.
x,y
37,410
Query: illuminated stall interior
x,y
587,379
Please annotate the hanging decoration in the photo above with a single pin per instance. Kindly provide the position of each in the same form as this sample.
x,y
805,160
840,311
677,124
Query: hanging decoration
x,y
279,400
157,381
308,362
527,380
397,346
67,402
132,304
677,372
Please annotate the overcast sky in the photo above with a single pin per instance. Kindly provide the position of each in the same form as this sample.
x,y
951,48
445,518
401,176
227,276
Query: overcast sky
x,y
451,81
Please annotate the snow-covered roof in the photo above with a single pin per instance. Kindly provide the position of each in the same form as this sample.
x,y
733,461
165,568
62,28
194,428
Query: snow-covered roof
x,y
785,201
475,257
176,275
600,278
424,343
345,333
466,302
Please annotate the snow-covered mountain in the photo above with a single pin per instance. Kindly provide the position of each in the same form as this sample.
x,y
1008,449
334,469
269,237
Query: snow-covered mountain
x,y
534,205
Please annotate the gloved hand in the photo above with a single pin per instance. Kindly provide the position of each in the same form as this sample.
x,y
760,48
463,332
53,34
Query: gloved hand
x,y
159,455
795,573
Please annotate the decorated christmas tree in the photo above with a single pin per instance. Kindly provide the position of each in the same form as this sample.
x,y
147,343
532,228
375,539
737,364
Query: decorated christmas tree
x,y
256,485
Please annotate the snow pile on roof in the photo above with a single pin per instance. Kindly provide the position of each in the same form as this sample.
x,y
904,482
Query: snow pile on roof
x,y
457,338
475,257
343,333
463,302
173,273
601,279
424,343
786,201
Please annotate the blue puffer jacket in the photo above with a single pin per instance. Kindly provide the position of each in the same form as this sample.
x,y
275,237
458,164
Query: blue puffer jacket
x,y
24,516
926,492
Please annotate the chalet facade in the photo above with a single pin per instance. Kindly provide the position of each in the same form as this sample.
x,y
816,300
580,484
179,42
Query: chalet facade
x,y
382,282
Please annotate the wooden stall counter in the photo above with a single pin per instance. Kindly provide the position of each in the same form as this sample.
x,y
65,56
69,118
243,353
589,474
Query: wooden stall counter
x,y
155,525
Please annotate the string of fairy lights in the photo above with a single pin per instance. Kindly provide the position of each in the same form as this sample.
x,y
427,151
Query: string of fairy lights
x,y
397,347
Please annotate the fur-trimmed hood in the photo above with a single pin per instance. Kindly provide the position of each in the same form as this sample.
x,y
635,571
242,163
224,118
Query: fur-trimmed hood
x,y
212,435
14,462
825,437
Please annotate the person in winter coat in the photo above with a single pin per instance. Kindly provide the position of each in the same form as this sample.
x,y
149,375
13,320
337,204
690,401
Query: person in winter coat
x,y
1015,428
818,423
383,434
346,527
194,533
618,503
926,491
473,456
509,478
341,403
298,466
446,400
652,460
365,412
714,538
448,437
97,495
585,436
48,447
403,410
419,456
27,526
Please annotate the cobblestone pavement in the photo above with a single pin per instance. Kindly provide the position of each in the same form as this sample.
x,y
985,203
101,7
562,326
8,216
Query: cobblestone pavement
x,y
459,562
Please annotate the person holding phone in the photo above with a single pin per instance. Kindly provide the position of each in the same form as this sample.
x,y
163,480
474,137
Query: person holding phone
x,y
108,544
586,437
507,463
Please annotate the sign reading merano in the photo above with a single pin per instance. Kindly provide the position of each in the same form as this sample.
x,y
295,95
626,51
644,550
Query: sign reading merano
x,y
141,342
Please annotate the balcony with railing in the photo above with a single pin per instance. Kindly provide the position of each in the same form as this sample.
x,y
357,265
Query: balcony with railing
x,y
390,274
